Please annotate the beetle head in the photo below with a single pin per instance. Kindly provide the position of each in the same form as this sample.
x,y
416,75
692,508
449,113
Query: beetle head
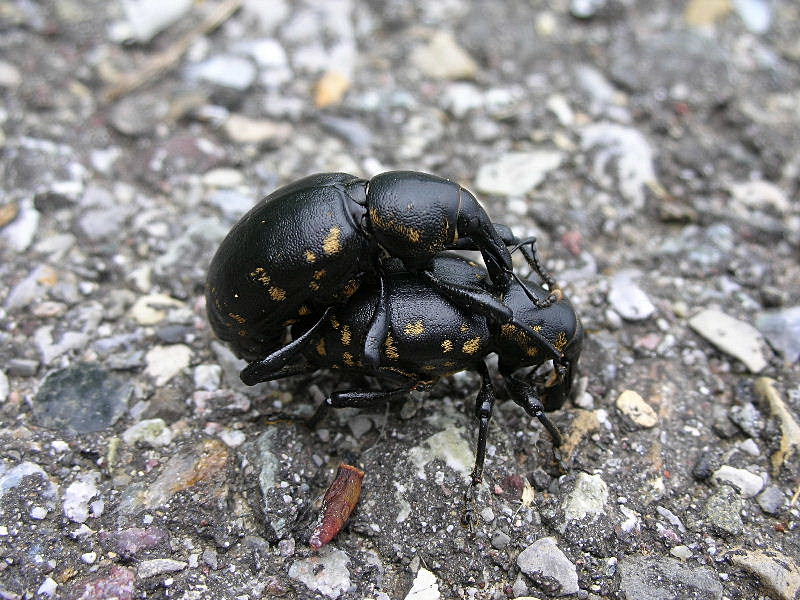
x,y
557,324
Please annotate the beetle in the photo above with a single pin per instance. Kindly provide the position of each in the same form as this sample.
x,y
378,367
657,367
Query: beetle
x,y
431,336
312,243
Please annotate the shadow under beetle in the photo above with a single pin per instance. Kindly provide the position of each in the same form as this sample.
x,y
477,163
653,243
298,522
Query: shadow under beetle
x,y
430,336
312,243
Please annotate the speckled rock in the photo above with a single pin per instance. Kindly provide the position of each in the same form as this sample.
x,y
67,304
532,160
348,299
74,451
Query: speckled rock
x,y
325,573
659,578
547,565
82,398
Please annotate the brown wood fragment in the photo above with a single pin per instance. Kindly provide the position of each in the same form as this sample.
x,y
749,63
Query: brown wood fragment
x,y
164,61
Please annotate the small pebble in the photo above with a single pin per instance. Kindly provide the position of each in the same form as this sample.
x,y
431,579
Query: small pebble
x,y
443,58
682,552
38,513
749,484
632,405
628,299
159,566
771,500
545,563
732,336
500,540
48,587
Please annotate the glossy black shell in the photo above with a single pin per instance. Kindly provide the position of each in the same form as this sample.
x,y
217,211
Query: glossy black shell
x,y
298,248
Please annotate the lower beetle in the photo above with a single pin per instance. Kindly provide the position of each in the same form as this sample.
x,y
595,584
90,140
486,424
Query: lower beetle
x,y
310,244
431,336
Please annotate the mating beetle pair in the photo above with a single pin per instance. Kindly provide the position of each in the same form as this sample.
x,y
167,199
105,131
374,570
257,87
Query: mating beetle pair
x,y
338,272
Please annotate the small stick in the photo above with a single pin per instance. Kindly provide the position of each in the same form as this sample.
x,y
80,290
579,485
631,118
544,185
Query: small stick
x,y
337,505
167,59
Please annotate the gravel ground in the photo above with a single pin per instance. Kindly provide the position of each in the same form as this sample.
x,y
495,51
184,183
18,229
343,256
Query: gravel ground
x,y
653,148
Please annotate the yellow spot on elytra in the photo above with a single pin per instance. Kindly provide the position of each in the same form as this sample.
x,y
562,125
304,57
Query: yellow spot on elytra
x,y
313,285
449,364
464,328
260,275
351,287
238,318
531,351
415,329
277,293
333,241
319,274
561,341
391,349
447,345
321,348
471,346
334,322
303,311
310,256
537,328
429,367
348,359
346,335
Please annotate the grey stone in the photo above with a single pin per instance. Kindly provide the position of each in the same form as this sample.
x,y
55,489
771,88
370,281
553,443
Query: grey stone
x,y
748,418
628,299
658,578
160,566
146,18
545,563
749,484
20,232
722,511
83,397
4,387
588,499
771,500
626,150
584,9
140,114
516,173
755,14
227,70
779,573
734,337
22,367
325,573
500,540
781,329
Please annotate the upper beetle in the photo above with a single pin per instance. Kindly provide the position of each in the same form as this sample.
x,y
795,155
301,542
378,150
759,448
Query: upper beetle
x,y
430,336
311,243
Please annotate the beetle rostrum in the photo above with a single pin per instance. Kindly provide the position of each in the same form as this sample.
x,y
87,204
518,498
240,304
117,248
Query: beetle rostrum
x,y
312,243
429,336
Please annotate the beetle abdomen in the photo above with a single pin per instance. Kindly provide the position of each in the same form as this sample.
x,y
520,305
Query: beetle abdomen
x,y
293,250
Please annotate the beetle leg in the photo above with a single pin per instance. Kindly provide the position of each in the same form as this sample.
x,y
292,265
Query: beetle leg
x,y
556,391
264,369
473,298
378,327
473,223
365,398
525,395
528,248
484,403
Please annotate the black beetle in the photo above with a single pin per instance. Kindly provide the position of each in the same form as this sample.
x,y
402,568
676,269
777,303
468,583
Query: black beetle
x,y
310,244
431,336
